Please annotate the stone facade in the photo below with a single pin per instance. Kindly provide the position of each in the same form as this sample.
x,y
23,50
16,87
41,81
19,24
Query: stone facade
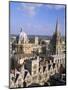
x,y
40,71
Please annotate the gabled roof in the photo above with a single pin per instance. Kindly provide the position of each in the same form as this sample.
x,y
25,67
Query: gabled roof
x,y
27,74
53,65
49,66
17,75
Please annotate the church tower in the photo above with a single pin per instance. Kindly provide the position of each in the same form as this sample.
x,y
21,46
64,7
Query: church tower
x,y
56,42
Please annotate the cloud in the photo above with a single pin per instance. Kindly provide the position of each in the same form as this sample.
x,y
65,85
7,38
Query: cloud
x,y
30,8
57,7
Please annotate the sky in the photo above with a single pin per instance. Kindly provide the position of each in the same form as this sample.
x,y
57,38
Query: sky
x,y
36,18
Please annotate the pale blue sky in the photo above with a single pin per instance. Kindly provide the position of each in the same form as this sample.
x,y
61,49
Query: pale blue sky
x,y
36,19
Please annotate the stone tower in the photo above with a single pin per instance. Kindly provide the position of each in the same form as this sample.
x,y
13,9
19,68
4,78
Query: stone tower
x,y
36,40
56,42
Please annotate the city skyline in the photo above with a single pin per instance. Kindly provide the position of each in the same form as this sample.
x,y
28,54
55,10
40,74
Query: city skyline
x,y
37,45
36,19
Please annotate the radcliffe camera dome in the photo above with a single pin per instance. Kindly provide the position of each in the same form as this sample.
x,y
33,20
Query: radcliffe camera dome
x,y
23,37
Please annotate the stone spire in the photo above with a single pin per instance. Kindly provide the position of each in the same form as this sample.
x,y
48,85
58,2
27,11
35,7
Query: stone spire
x,y
57,25
57,29
56,40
